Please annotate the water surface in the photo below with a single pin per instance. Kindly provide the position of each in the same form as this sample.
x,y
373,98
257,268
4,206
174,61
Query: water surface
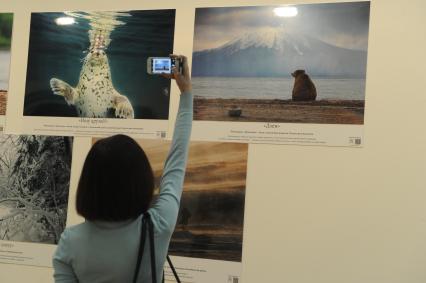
x,y
276,88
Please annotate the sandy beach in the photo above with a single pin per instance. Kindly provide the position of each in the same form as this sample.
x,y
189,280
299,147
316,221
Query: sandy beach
x,y
281,111
3,101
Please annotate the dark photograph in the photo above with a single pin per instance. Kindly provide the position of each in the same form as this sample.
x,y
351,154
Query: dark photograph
x,y
211,217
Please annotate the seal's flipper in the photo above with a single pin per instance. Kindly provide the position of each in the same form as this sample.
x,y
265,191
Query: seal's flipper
x,y
122,106
63,89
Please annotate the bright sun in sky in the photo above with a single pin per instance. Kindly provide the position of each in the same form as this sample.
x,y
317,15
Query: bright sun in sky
x,y
285,11
62,21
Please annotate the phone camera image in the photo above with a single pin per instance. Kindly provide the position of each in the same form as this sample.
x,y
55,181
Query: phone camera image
x,y
162,65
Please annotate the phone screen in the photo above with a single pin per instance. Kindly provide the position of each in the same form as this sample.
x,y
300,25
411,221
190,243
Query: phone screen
x,y
162,65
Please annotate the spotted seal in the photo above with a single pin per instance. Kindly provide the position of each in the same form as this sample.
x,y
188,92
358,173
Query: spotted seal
x,y
94,96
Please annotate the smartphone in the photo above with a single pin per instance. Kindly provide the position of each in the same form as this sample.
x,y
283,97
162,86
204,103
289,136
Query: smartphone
x,y
162,65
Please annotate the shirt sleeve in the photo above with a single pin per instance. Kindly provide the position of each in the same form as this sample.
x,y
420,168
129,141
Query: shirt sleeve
x,y
63,271
166,206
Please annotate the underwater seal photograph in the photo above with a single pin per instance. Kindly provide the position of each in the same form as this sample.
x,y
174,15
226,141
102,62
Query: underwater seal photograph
x,y
93,64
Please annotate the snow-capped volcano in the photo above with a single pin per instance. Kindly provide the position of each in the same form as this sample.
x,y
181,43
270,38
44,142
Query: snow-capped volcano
x,y
277,52
276,39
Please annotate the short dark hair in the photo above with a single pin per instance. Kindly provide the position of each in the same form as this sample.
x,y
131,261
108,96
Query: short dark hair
x,y
117,182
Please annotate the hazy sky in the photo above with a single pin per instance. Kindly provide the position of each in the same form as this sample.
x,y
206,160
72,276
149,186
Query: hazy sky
x,y
341,24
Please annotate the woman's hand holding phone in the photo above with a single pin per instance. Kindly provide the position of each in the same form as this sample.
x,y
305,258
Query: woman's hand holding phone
x,y
183,80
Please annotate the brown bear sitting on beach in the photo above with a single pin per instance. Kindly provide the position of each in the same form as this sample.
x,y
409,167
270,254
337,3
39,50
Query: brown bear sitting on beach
x,y
303,89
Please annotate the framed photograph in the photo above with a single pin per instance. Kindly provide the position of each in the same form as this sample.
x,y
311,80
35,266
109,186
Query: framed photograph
x,y
34,186
87,74
291,74
6,23
207,243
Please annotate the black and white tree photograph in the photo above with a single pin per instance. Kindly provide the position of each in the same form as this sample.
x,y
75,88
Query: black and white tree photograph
x,y
34,187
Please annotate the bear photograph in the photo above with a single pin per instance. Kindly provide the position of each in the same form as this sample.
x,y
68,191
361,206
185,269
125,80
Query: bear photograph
x,y
93,64
281,64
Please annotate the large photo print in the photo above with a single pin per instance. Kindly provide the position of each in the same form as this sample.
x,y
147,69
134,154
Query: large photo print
x,y
93,64
34,187
281,64
6,21
211,217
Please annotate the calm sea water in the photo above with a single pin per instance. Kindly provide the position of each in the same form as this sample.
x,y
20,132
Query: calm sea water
x,y
275,88
4,69
57,51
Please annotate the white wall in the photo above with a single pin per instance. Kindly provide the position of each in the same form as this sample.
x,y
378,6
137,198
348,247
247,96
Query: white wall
x,y
318,214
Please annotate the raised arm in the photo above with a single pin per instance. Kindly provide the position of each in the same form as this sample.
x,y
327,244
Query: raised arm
x,y
166,207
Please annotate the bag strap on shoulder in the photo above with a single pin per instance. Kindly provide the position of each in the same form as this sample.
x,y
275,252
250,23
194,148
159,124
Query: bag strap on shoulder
x,y
146,225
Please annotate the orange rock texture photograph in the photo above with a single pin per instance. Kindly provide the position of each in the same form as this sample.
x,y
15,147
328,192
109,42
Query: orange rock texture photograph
x,y
211,217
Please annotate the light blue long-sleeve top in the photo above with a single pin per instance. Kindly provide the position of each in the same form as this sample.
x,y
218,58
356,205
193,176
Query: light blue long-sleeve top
x,y
107,251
